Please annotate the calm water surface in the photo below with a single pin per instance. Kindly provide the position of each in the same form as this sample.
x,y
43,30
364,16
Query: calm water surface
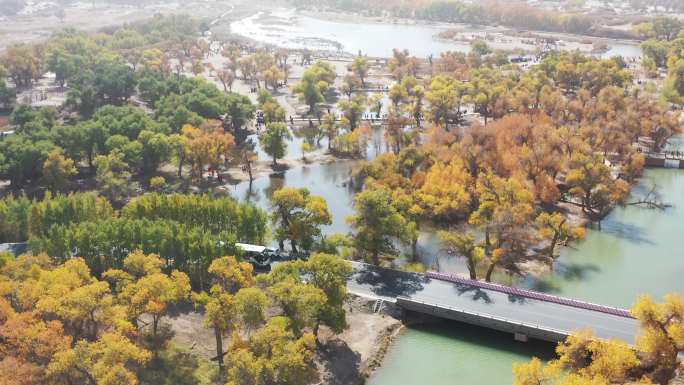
x,y
289,29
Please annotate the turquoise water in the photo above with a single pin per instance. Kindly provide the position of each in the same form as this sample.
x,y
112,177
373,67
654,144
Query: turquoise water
x,y
636,251
452,353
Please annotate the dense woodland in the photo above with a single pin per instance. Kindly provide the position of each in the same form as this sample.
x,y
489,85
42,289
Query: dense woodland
x,y
503,159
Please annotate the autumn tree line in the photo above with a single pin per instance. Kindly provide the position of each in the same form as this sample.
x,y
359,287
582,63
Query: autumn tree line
x,y
562,134
59,324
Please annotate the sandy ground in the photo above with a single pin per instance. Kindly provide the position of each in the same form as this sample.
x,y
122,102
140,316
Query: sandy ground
x,y
343,359
88,17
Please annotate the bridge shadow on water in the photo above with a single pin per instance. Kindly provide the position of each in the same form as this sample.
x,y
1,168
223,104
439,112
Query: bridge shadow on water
x,y
486,338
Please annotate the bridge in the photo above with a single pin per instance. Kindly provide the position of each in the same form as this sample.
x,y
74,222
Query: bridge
x,y
672,159
524,313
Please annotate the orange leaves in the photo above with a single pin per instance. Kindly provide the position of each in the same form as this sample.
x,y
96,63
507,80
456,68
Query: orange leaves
x,y
207,146
27,337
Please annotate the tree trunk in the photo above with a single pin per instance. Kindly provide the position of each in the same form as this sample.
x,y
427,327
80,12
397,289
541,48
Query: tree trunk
x,y
180,167
249,171
90,161
471,268
376,258
552,246
219,347
490,270
155,324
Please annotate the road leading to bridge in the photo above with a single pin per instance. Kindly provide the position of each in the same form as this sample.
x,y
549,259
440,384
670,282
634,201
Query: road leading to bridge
x,y
487,307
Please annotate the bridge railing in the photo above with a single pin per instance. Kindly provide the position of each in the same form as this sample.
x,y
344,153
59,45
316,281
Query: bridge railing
x,y
530,294
523,325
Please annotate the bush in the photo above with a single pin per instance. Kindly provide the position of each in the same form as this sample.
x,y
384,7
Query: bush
x,y
157,182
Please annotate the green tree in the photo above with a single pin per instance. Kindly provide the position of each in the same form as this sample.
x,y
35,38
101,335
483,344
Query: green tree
x,y
7,94
329,273
112,176
57,170
330,128
480,47
300,302
23,159
444,98
310,90
240,110
376,225
463,244
156,148
298,217
251,304
360,67
274,355
353,109
274,140
656,50
673,90
314,83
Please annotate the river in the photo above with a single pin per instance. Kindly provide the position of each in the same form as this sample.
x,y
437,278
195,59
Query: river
x,y
291,29
638,251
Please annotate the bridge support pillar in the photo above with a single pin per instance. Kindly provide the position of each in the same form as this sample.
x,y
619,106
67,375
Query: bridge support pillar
x,y
520,337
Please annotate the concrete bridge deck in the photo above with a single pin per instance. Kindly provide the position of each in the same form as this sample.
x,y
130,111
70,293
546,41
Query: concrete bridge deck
x,y
523,313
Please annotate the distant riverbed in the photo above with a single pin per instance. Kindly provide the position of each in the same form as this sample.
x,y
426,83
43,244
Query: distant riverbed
x,y
291,29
